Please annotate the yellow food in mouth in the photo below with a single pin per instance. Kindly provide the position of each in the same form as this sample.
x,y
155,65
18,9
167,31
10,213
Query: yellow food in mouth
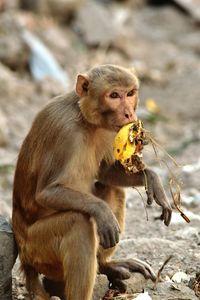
x,y
128,145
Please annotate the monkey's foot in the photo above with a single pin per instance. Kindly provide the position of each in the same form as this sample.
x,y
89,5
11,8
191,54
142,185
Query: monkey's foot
x,y
117,271
53,288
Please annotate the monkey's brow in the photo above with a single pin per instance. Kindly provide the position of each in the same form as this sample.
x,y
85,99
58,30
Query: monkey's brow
x,y
123,89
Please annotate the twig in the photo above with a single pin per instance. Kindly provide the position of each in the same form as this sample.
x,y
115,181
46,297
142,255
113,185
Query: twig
x,y
177,199
160,271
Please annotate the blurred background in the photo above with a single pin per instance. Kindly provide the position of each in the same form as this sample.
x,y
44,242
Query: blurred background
x,y
45,43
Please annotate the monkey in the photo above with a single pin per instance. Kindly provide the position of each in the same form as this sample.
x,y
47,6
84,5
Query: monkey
x,y
68,198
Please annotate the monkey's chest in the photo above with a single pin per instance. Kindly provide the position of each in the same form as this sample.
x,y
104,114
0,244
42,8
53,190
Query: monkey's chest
x,y
83,168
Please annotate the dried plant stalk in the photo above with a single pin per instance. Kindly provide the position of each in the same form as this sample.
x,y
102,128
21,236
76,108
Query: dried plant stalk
x,y
139,136
160,271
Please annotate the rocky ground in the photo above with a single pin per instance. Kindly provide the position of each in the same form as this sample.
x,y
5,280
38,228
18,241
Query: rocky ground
x,y
162,43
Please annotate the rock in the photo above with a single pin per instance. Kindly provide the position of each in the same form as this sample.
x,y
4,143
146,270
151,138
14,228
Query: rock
x,y
99,27
61,9
64,8
191,6
101,286
135,284
4,132
13,88
168,291
8,4
8,256
5,208
188,233
13,50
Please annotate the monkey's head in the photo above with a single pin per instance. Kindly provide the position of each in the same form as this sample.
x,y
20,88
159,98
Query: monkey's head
x,y
108,96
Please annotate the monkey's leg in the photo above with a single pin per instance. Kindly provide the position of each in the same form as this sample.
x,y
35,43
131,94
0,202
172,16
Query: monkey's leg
x,y
33,285
80,261
63,247
117,271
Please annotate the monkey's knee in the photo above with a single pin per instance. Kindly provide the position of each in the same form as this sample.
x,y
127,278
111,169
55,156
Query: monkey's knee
x,y
86,230
82,237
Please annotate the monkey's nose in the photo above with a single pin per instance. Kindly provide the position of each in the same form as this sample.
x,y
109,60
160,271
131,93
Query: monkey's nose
x,y
128,116
131,117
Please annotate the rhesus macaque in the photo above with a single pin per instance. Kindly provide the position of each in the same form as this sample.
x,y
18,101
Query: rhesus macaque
x,y
68,204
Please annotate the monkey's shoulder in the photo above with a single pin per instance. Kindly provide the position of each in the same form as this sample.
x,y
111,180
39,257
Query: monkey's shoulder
x,y
58,117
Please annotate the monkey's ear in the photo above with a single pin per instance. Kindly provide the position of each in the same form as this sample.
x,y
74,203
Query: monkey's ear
x,y
132,70
82,84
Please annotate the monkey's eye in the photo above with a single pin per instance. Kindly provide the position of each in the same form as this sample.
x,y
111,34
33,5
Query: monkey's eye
x,y
114,95
131,93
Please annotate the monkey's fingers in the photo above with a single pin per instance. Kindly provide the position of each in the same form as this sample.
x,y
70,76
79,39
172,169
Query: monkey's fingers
x,y
109,237
150,197
137,265
166,216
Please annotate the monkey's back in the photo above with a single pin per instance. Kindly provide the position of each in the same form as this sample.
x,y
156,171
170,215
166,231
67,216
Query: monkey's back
x,y
36,156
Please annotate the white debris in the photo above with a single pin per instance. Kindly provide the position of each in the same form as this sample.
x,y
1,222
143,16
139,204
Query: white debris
x,y
20,297
192,168
143,296
187,233
191,197
180,277
176,217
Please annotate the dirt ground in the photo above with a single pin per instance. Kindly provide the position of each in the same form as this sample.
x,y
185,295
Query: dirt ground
x,y
162,43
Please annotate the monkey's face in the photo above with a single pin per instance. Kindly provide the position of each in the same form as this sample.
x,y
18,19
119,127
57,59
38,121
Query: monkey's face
x,y
118,107
108,96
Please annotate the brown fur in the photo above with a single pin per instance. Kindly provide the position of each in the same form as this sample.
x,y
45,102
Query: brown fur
x,y
61,222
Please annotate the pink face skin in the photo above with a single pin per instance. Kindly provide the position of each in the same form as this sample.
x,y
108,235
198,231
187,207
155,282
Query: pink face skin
x,y
123,103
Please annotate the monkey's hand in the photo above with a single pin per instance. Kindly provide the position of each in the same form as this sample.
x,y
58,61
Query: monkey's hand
x,y
107,225
155,191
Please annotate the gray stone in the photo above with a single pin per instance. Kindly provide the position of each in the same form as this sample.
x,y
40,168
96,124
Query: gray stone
x,y
8,256
169,291
4,132
135,284
14,52
99,27
61,9
101,286
191,6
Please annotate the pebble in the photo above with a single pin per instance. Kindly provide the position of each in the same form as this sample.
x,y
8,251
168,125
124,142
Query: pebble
x,y
20,297
180,277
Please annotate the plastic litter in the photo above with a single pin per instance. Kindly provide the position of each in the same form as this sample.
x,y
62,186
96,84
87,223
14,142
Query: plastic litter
x,y
42,62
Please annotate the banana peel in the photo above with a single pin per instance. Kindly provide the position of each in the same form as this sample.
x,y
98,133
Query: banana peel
x,y
128,145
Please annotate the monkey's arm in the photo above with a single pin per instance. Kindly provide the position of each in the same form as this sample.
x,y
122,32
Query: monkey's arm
x,y
59,197
116,175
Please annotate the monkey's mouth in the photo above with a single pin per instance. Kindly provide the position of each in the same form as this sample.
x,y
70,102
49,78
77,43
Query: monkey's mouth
x,y
117,127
